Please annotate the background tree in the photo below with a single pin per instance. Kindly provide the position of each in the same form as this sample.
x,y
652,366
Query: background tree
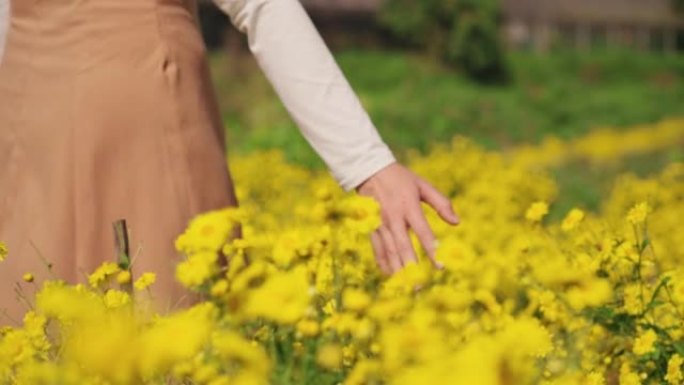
x,y
462,33
678,6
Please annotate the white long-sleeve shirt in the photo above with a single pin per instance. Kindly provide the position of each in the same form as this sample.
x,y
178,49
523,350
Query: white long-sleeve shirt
x,y
292,54
4,24
304,74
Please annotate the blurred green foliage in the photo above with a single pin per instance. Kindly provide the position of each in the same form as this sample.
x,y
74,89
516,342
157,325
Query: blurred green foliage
x,y
678,6
417,102
462,33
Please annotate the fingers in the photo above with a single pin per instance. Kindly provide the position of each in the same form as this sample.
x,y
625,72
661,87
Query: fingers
x,y
395,245
399,193
403,243
425,235
439,202
380,254
393,258
395,241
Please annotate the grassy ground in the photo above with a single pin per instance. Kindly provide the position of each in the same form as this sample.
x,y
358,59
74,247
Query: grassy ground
x,y
416,102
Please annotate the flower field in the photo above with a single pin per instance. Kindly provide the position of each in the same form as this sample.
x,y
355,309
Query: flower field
x,y
595,298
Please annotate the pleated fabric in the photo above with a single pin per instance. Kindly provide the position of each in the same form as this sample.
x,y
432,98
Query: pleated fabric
x,y
106,113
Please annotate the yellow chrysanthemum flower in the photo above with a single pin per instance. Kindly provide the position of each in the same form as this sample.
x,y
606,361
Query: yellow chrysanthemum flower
x,y
572,220
513,304
308,328
674,374
628,376
633,303
595,378
355,299
329,356
197,269
102,273
146,280
124,277
116,298
645,342
283,298
537,211
637,214
234,348
209,232
3,252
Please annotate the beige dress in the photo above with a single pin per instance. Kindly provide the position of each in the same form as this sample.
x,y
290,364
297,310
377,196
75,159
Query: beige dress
x,y
107,112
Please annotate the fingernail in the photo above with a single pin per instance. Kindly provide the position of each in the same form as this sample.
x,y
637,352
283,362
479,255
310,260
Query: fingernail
x,y
455,219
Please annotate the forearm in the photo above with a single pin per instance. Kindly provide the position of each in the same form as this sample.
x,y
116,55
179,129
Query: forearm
x,y
304,74
4,24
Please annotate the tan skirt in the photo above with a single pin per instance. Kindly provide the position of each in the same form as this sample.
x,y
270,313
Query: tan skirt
x,y
106,113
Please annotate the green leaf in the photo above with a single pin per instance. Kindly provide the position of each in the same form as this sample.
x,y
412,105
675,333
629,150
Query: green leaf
x,y
679,347
653,302
618,323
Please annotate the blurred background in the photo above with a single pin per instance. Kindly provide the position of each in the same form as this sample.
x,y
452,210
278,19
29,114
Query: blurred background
x,y
504,73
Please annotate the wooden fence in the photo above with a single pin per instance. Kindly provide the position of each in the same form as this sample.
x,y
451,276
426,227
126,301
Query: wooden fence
x,y
540,24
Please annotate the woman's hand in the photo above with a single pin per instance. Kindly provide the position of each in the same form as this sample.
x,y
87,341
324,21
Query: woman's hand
x,y
399,192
